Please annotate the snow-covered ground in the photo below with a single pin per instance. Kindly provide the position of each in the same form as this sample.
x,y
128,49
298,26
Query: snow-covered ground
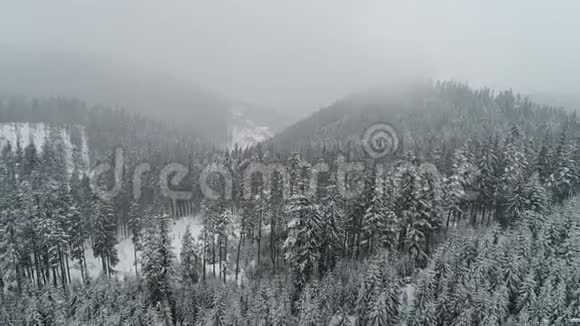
x,y
126,266
24,133
245,132
248,136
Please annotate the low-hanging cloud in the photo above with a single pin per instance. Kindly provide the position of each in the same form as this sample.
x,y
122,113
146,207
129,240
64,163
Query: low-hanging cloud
x,y
301,55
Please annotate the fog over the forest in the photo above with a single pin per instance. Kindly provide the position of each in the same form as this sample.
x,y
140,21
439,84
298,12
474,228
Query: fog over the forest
x,y
292,55
289,162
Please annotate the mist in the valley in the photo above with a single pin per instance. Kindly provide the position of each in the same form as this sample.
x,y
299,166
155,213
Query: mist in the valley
x,y
290,56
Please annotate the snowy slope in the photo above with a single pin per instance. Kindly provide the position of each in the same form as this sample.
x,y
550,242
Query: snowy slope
x,y
244,132
24,133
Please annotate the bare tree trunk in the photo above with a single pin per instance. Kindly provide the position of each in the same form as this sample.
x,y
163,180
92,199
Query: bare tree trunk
x,y
489,216
62,269
104,264
136,263
448,218
225,257
213,253
54,282
402,236
272,244
220,259
85,264
472,214
68,270
345,245
83,277
17,264
204,255
37,266
46,272
238,257
259,237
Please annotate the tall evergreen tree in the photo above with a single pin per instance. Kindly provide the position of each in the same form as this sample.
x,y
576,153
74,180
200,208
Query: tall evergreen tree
x,y
105,236
157,267
304,236
188,259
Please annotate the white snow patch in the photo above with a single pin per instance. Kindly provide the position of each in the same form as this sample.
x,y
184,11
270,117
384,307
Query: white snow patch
x,y
248,136
23,133
126,266
245,132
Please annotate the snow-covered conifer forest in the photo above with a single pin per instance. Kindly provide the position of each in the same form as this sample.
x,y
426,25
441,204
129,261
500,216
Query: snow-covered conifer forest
x,y
289,163
488,235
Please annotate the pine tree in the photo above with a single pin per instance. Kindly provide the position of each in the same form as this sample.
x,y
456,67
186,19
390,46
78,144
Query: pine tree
x,y
105,236
188,259
407,199
222,230
374,224
303,242
309,313
379,298
10,255
512,196
453,197
423,310
544,164
332,218
211,211
77,237
563,180
426,220
8,165
465,171
31,160
536,195
486,179
136,226
157,264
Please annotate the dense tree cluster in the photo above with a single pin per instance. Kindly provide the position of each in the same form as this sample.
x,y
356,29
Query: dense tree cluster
x,y
473,223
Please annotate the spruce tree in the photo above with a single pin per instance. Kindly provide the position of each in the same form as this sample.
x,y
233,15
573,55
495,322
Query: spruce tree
x,y
105,236
136,225
157,265
188,259
303,242
374,223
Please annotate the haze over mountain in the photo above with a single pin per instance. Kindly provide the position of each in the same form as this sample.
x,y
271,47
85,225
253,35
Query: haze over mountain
x,y
299,56
103,81
439,112
241,71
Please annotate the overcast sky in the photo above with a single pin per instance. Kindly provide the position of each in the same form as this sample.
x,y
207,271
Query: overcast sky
x,y
303,54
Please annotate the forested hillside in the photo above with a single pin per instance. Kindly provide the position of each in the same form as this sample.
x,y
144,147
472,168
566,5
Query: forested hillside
x,y
178,102
472,222
426,116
